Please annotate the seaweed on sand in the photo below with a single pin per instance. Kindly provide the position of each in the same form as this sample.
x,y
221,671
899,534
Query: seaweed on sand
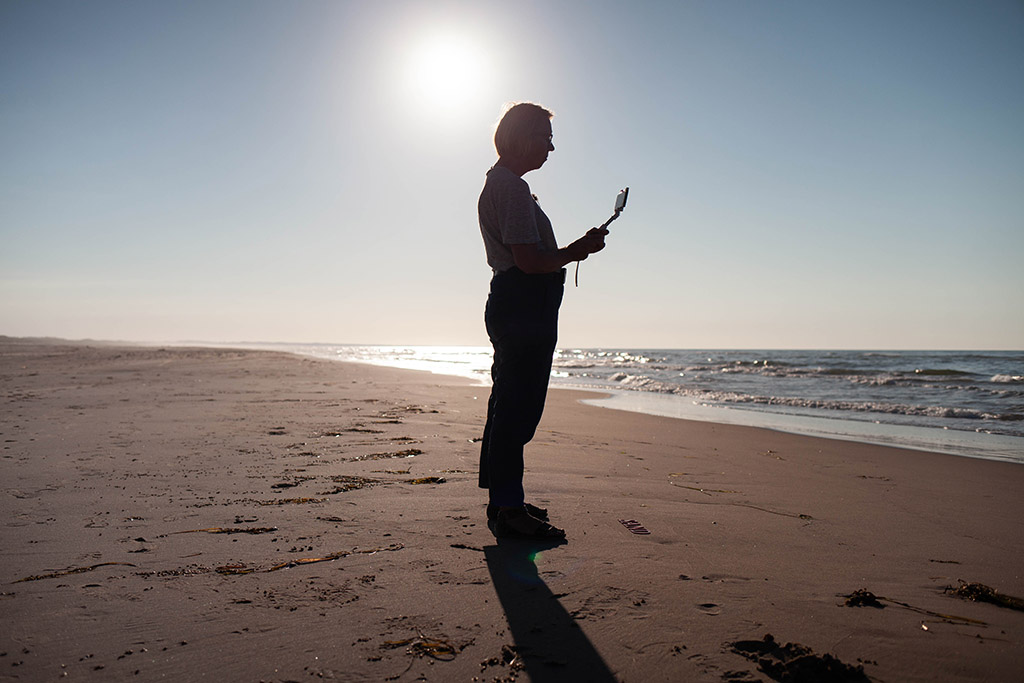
x,y
230,530
407,453
349,482
862,597
797,663
242,568
426,480
290,501
334,556
355,429
865,598
73,570
979,592
421,646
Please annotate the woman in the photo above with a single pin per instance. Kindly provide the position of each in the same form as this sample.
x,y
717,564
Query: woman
x,y
521,314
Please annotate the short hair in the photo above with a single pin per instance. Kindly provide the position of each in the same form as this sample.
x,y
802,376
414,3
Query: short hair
x,y
515,132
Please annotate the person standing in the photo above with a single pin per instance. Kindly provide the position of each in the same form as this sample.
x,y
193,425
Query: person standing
x,y
521,314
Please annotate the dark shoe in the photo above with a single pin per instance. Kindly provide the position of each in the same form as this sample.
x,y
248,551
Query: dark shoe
x,y
518,523
533,510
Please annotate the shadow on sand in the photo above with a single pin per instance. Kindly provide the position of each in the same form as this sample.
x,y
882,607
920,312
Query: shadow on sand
x,y
551,645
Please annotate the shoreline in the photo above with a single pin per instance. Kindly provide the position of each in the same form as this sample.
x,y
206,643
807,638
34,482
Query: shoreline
x,y
253,515
977,443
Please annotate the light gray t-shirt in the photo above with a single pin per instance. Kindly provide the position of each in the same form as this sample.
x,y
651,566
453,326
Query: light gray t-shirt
x,y
509,214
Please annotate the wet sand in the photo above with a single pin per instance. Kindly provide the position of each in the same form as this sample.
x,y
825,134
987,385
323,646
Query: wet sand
x,y
210,514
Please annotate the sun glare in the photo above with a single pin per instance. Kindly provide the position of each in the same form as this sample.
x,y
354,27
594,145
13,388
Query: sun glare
x,y
446,70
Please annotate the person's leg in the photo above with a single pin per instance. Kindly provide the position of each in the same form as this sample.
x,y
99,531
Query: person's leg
x,y
515,409
522,324
484,480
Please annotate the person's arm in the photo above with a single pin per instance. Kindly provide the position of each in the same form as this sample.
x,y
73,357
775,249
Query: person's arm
x,y
531,259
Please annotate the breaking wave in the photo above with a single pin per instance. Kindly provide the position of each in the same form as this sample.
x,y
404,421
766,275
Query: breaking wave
x,y
642,383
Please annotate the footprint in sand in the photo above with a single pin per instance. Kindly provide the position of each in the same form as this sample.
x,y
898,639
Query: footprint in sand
x,y
710,609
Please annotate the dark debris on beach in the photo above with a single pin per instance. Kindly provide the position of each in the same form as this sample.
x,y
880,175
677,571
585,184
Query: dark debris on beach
x,y
795,663
979,592
863,598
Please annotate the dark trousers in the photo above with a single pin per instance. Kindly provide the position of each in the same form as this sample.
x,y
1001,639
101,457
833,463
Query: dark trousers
x,y
522,322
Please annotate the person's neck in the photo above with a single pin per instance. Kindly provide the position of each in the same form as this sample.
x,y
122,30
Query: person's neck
x,y
515,165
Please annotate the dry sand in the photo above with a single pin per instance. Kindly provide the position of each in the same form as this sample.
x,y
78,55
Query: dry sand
x,y
201,514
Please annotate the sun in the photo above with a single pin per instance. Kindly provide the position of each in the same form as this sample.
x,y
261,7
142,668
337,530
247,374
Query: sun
x,y
446,70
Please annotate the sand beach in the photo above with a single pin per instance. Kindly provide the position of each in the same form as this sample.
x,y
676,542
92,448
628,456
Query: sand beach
x,y
225,515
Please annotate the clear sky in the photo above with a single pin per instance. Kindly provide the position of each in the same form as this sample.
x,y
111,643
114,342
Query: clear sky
x,y
803,174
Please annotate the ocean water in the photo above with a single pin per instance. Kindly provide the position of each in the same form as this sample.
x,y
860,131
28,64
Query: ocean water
x,y
967,403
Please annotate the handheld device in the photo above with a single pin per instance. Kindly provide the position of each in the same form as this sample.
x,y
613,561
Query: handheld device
x,y
620,199
620,204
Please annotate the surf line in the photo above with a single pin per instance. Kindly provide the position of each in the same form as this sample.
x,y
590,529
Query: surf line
x,y
634,526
